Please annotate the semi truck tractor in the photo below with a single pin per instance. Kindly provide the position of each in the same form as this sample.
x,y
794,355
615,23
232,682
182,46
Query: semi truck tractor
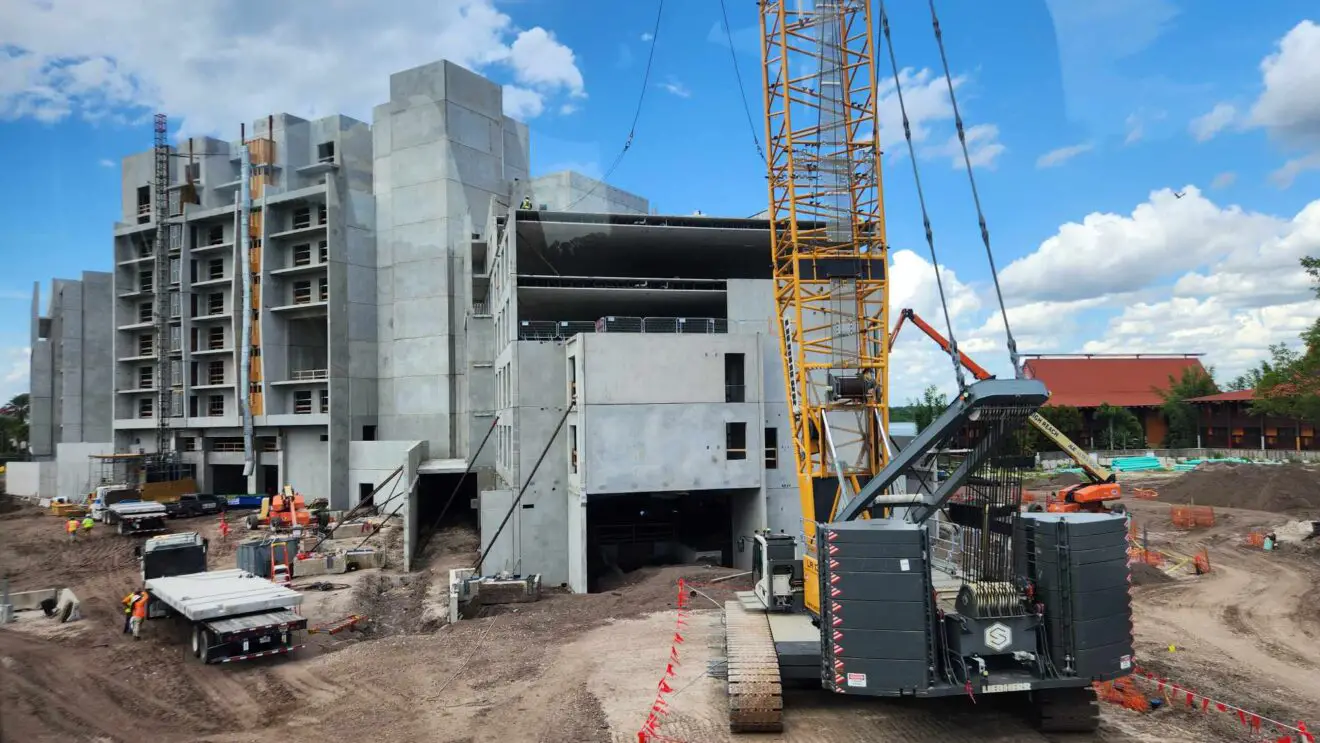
x,y
231,615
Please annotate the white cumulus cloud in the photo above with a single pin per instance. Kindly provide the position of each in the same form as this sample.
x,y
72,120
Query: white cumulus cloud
x,y
983,147
212,64
1289,105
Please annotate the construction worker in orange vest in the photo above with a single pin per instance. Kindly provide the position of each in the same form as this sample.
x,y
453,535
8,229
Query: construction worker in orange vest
x,y
139,613
129,602
71,526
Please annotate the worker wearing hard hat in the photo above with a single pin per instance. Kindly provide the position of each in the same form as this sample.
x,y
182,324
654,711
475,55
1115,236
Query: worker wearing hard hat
x,y
129,602
71,526
526,203
87,523
139,613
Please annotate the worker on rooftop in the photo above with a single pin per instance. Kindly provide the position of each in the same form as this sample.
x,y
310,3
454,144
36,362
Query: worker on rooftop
x,y
526,203
87,523
71,526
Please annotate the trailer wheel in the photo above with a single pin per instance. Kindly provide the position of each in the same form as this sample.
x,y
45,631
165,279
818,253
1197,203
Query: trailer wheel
x,y
1118,508
201,639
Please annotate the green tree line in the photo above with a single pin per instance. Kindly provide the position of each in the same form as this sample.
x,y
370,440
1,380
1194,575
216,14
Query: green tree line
x,y
14,425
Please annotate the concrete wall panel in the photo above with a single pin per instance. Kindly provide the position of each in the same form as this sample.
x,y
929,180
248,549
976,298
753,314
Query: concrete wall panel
x,y
305,461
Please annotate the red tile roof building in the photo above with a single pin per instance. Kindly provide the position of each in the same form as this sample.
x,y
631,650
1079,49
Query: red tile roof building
x,y
1133,382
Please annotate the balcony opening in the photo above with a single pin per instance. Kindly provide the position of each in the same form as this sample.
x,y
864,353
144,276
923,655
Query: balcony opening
x,y
145,311
302,402
176,270
215,338
323,287
302,255
321,214
146,375
302,218
145,345
302,292
735,441
772,448
215,304
192,406
325,152
146,407
215,406
735,382
323,398
192,172
215,372
215,235
145,281
215,269
176,305
323,252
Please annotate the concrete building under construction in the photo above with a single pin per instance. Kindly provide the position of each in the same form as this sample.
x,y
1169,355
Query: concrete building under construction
x,y
392,302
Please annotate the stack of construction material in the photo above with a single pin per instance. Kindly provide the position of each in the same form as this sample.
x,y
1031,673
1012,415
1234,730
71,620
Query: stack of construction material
x,y
1136,464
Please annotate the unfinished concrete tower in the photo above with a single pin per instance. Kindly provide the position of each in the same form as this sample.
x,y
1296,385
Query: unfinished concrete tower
x,y
444,152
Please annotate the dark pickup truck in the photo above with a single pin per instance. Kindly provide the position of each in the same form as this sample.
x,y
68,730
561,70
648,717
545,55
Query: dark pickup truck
x,y
195,504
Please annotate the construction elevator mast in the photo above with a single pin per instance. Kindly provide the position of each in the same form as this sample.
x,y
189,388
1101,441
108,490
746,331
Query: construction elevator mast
x,y
829,248
161,287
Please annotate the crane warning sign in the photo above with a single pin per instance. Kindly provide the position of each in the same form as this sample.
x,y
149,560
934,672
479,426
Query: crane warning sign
x,y
857,680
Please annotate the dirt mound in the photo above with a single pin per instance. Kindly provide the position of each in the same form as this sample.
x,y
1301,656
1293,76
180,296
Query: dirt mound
x,y
1284,488
1147,575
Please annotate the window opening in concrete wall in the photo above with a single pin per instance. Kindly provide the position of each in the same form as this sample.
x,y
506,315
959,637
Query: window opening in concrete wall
x,y
176,270
302,254
192,172
215,269
302,402
323,251
321,214
145,281
144,204
215,304
215,338
215,372
325,152
735,382
324,289
176,305
368,433
215,235
573,448
735,440
188,443
302,217
772,448
176,339
572,381
144,312
302,292
215,405
43,328
145,345
192,406
146,375
228,479
146,406
626,532
365,491
323,396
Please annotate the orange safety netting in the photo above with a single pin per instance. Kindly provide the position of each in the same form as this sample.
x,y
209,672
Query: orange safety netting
x,y
1123,692
1255,539
1192,517
1145,493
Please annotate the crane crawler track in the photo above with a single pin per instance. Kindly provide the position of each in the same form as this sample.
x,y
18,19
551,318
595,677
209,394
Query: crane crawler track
x,y
756,696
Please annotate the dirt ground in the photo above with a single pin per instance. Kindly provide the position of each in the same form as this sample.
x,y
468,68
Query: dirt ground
x,y
585,668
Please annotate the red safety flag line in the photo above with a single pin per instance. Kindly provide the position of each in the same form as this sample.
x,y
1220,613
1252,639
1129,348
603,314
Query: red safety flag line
x,y
1248,718
665,688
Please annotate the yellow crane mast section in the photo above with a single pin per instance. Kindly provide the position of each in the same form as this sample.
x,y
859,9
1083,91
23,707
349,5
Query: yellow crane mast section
x,y
829,249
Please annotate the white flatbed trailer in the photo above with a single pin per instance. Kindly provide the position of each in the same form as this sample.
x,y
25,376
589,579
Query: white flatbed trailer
x,y
136,517
234,614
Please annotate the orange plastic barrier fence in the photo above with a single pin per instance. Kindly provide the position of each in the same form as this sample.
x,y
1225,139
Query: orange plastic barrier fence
x,y
1255,539
1145,493
1123,692
1192,517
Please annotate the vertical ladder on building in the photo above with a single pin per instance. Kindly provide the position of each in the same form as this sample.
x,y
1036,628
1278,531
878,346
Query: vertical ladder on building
x,y
160,283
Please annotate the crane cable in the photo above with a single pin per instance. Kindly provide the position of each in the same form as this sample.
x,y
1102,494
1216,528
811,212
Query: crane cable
x,y
921,198
976,198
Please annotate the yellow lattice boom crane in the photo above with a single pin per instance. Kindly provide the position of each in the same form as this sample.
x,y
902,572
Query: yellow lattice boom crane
x,y
828,248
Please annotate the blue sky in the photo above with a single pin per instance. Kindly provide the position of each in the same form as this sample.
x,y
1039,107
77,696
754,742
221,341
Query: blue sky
x,y
1119,86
